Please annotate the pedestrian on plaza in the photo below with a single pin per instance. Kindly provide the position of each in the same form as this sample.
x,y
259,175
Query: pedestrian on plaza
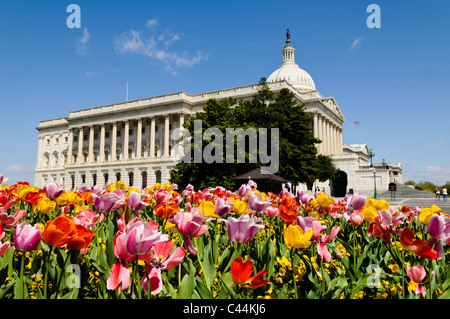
x,y
444,194
438,194
323,190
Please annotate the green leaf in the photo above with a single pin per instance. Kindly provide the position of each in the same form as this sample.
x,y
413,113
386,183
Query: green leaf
x,y
187,284
208,266
227,283
202,290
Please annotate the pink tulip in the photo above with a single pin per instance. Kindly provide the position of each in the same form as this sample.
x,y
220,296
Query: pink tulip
x,y
244,190
322,249
439,230
356,202
252,184
88,218
135,201
160,259
190,224
120,276
271,211
54,190
105,202
162,196
417,274
9,221
256,203
4,247
223,206
356,219
140,237
243,229
27,237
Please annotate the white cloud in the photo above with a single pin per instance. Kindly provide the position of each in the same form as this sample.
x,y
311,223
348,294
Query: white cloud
x,y
17,168
356,43
442,141
152,22
156,47
437,174
82,42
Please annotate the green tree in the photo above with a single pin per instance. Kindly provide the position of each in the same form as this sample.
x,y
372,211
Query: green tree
x,y
298,158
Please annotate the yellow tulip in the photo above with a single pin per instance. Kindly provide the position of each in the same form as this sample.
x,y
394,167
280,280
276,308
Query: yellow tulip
x,y
167,187
426,213
378,204
239,206
208,208
46,205
62,199
369,213
324,200
294,237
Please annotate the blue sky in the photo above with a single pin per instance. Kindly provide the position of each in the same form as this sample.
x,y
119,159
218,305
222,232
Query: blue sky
x,y
394,80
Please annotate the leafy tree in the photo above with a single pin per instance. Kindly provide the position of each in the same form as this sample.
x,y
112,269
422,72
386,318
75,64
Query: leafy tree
x,y
298,158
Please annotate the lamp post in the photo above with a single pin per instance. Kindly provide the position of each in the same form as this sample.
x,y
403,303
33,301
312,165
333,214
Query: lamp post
x,y
372,154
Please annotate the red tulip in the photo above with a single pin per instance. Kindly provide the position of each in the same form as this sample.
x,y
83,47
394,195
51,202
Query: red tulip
x,y
241,271
417,246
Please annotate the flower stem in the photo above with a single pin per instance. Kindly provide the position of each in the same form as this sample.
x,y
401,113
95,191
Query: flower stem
x,y
21,295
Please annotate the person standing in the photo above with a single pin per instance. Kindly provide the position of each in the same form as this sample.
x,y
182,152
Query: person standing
x,y
438,194
444,194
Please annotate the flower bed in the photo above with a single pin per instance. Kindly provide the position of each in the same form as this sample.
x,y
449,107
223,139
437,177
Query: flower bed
x,y
163,242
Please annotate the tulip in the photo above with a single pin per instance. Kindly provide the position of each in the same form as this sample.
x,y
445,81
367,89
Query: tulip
x,y
4,247
54,190
27,237
120,276
241,272
105,202
135,202
223,206
162,196
9,221
162,258
417,246
244,190
324,200
81,238
58,232
46,205
243,229
271,211
3,179
256,203
417,274
296,238
167,210
356,202
322,249
190,224
439,230
141,236
88,218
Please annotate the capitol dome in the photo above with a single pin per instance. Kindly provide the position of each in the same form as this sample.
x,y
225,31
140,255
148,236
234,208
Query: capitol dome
x,y
291,72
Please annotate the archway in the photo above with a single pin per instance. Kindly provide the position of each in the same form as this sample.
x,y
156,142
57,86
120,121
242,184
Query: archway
x,y
339,184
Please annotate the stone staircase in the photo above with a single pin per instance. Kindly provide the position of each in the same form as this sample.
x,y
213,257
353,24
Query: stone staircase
x,y
404,191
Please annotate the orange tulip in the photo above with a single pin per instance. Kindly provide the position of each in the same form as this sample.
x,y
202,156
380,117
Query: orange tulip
x,y
166,210
59,232
287,215
81,238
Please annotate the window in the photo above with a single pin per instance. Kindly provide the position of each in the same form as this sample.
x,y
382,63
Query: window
x,y
57,140
130,178
118,133
107,135
130,131
66,139
83,179
143,130
75,138
96,136
94,179
144,179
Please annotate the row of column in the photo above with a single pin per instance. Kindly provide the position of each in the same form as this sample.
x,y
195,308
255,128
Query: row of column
x,y
114,126
329,133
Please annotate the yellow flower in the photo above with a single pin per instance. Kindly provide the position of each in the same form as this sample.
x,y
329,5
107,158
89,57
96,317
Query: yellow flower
x,y
23,190
117,185
412,286
208,208
62,199
46,205
167,187
324,200
157,186
294,237
73,197
393,268
426,213
284,262
169,226
369,213
239,206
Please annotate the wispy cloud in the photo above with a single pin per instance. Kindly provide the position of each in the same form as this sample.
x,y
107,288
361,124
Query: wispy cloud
x,y
436,174
355,44
17,168
82,42
157,47
442,141
152,22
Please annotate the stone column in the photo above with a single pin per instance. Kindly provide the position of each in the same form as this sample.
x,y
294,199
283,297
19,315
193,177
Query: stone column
x,y
340,141
152,137
166,135
315,128
181,150
327,137
102,143
39,155
139,139
69,147
80,145
114,141
319,132
91,144
125,140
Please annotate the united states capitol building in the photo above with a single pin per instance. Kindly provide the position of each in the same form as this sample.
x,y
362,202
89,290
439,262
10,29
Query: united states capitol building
x,y
132,140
